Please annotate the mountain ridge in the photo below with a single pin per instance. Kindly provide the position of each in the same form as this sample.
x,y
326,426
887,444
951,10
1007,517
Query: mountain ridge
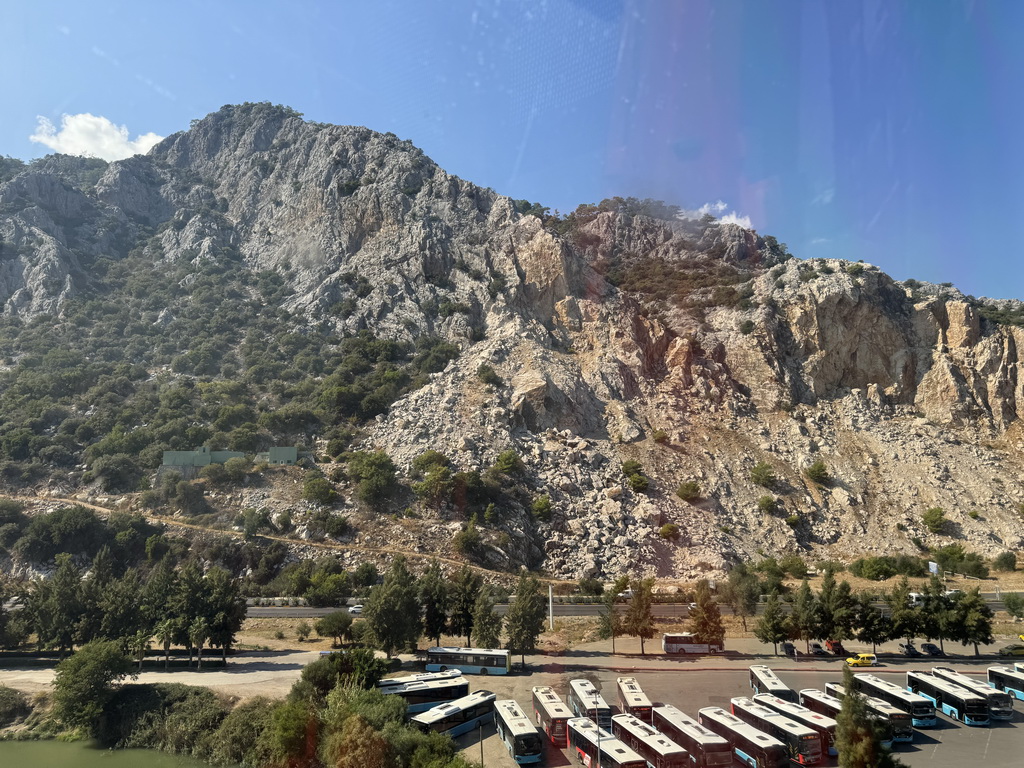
x,y
612,335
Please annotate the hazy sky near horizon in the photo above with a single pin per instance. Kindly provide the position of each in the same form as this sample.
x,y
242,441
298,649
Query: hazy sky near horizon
x,y
882,130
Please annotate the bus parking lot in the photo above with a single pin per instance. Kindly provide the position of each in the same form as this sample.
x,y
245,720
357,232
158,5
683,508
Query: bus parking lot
x,y
692,687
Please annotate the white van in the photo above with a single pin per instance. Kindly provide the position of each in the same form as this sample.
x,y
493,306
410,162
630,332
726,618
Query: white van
x,y
915,598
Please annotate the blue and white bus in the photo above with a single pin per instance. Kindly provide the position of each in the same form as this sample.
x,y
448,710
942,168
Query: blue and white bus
x,y
1000,705
657,749
707,749
750,746
897,725
821,724
423,692
459,716
517,732
1007,679
469,661
803,742
764,680
950,699
920,709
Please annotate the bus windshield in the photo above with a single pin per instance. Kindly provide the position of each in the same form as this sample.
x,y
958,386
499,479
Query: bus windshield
x,y
718,758
528,744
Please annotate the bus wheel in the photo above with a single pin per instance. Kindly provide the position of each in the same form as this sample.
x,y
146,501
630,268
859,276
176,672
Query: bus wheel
x,y
444,669
484,672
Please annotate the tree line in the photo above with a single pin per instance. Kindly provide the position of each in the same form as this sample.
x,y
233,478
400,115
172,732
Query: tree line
x,y
837,613
402,608
176,606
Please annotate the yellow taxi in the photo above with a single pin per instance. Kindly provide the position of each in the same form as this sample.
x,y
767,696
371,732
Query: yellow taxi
x,y
863,660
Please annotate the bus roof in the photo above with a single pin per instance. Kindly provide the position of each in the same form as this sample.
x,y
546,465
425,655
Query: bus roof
x,y
688,725
613,746
586,691
795,710
545,696
944,685
735,724
769,714
631,691
441,711
422,677
948,673
650,737
1013,672
892,688
516,721
768,676
476,651
425,685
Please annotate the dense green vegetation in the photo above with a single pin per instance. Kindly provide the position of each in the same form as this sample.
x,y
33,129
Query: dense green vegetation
x,y
169,356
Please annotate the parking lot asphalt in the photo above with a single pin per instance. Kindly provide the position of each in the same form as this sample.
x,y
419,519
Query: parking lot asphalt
x,y
695,685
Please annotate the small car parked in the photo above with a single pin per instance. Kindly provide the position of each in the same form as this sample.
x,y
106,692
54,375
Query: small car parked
x,y
908,649
932,649
863,660
1012,650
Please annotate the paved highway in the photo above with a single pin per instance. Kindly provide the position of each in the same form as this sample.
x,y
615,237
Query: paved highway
x,y
660,610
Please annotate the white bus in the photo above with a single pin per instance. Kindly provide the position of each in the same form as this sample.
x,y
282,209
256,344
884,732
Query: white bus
x,y
657,749
707,749
949,698
823,725
685,642
802,742
632,699
459,716
587,740
897,725
422,677
469,661
421,695
920,709
515,729
586,701
1008,680
751,746
551,715
764,680
1000,705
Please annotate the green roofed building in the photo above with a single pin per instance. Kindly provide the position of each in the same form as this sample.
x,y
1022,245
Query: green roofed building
x,y
200,457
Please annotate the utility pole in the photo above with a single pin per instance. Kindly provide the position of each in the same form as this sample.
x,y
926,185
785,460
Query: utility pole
x,y
551,608
480,726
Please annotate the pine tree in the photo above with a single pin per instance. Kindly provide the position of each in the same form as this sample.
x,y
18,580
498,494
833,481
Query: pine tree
x,y
858,740
392,613
434,598
465,590
486,622
873,626
609,621
844,612
706,618
742,592
639,619
525,618
973,619
805,619
904,617
771,627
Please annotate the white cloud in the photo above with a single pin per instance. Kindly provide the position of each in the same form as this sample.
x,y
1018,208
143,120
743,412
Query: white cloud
x,y
734,218
718,210
92,136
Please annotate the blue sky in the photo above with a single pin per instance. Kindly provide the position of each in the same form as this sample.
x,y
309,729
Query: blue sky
x,y
879,130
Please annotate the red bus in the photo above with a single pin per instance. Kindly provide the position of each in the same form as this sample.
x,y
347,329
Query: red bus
x,y
551,714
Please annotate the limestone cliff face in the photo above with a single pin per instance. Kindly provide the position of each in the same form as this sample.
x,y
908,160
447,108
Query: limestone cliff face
x,y
729,355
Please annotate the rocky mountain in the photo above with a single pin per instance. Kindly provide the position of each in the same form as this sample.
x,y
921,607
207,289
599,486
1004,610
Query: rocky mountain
x,y
238,257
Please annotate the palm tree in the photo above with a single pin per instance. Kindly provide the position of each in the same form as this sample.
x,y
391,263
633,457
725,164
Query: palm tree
x,y
198,632
139,643
165,632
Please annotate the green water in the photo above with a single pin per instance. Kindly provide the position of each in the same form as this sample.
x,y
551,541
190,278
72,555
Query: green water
x,y
57,754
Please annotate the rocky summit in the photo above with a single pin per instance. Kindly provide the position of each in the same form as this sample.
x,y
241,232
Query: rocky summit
x,y
690,351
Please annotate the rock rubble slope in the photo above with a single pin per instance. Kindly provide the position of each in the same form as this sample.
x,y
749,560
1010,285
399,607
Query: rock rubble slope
x,y
692,347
